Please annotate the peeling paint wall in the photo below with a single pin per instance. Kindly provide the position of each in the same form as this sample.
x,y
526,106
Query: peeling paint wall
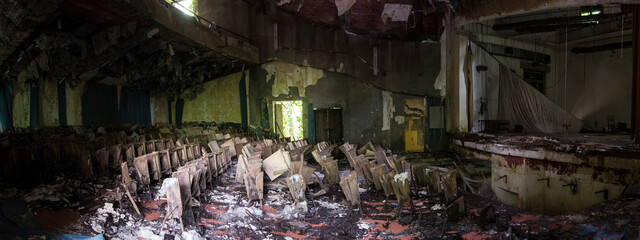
x,y
159,109
287,75
20,103
361,103
48,100
387,110
220,101
49,103
74,104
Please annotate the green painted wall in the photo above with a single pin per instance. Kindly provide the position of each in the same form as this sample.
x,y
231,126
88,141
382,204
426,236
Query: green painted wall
x,y
220,101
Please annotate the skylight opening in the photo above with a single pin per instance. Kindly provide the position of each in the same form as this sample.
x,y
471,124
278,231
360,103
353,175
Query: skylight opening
x,y
186,6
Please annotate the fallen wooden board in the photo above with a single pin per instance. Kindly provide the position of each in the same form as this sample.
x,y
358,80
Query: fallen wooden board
x,y
418,173
297,187
142,169
241,169
213,146
387,184
450,185
378,173
232,149
86,165
432,177
402,189
101,157
350,188
174,200
185,185
331,174
254,184
115,156
126,178
277,164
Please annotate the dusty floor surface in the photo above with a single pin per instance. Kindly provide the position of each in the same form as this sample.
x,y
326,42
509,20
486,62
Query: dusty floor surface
x,y
90,208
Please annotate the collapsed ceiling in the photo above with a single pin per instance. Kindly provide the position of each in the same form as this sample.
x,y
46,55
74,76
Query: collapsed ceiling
x,y
402,19
110,42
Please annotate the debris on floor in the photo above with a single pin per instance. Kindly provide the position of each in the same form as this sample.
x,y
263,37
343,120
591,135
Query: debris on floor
x,y
379,195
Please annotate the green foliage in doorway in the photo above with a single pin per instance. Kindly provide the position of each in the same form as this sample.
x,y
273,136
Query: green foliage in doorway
x,y
292,119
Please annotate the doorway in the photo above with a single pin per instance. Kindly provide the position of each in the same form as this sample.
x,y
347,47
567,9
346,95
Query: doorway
x,y
328,124
288,120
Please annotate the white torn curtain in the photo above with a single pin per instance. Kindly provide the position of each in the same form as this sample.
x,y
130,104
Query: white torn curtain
x,y
524,105
344,6
387,110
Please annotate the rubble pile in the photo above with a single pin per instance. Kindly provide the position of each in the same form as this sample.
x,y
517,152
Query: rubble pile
x,y
206,184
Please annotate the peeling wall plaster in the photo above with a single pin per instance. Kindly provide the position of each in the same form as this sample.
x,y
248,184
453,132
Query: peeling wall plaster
x,y
220,101
74,103
49,115
21,104
159,109
387,110
287,75
49,103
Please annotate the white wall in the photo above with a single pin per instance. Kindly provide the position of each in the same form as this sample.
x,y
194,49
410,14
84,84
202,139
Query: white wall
x,y
598,85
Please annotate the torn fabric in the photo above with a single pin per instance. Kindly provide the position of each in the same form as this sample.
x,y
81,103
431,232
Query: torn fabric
x,y
524,105
468,75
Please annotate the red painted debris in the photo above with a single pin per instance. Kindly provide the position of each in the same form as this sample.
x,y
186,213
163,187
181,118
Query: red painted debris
x,y
215,209
268,209
218,232
373,203
212,221
152,216
315,224
394,227
407,237
292,235
55,220
382,214
153,204
522,217
475,235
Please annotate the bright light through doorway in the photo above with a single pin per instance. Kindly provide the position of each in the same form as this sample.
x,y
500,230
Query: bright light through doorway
x,y
288,118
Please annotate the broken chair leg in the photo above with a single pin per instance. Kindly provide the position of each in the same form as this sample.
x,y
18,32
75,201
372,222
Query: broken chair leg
x,y
131,199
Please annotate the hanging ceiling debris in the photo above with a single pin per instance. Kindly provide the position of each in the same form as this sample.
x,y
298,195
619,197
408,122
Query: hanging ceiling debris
x,y
112,42
401,19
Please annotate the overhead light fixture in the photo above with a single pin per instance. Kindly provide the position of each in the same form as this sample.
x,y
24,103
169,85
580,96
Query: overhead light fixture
x,y
590,10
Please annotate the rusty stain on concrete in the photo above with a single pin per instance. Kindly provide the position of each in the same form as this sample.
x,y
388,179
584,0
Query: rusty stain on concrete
x,y
287,75
220,101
